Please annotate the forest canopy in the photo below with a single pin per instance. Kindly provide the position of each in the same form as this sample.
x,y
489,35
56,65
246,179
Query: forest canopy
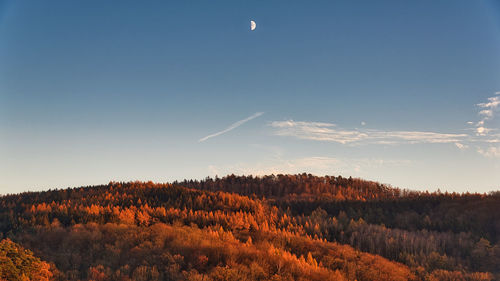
x,y
277,227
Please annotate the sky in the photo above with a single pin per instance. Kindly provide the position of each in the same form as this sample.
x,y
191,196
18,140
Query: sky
x,y
405,93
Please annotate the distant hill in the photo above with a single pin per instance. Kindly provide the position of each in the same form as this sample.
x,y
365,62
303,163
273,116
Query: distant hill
x,y
301,185
283,227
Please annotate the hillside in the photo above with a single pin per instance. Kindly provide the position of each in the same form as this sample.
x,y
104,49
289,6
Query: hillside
x,y
285,227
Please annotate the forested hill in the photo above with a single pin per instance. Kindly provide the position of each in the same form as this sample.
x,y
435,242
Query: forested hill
x,y
284,227
302,185
374,202
307,185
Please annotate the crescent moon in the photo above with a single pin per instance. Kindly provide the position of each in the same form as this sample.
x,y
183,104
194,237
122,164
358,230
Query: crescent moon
x,y
253,25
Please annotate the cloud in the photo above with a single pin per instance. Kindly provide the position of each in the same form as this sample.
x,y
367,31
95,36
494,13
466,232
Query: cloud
x,y
482,131
490,106
493,140
479,135
329,132
487,112
318,165
461,146
492,151
232,127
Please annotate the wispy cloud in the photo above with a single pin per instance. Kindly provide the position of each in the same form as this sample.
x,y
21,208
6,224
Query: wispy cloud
x,y
484,138
232,127
492,151
482,131
490,106
487,112
318,165
321,131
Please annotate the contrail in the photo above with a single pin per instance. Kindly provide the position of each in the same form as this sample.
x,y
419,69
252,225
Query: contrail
x,y
232,127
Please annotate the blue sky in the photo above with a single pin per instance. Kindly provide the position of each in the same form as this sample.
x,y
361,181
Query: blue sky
x,y
404,93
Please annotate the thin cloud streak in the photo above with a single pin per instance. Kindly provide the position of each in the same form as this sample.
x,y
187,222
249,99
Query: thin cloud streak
x,y
232,127
330,132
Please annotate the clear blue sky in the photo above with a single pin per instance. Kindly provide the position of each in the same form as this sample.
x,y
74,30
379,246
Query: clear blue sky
x,y
401,92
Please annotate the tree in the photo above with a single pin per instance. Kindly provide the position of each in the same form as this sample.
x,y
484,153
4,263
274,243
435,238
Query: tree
x,y
17,263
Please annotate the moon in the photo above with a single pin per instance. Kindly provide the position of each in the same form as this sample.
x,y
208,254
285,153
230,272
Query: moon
x,y
253,25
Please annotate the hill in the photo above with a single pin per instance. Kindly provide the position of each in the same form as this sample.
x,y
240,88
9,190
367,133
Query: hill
x,y
284,227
